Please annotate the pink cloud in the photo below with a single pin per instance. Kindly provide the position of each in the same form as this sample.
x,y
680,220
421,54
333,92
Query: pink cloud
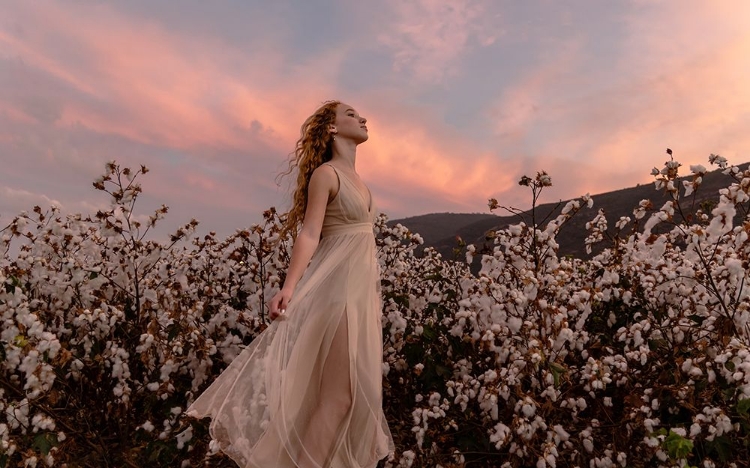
x,y
414,157
220,111
667,88
428,36
159,87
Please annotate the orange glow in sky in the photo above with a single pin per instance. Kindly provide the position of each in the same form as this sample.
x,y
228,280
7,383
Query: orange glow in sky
x,y
462,98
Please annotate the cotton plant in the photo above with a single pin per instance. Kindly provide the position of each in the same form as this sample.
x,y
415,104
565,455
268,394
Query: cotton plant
x,y
636,356
638,291
107,330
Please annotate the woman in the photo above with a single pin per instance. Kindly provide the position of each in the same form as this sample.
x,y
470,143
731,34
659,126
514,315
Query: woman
x,y
307,391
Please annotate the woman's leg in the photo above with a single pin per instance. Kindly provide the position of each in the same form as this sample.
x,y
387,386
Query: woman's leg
x,y
334,403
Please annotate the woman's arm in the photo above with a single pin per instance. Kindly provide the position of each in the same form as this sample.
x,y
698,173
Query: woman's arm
x,y
323,185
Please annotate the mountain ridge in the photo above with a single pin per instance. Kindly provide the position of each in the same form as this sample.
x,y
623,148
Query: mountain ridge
x,y
442,230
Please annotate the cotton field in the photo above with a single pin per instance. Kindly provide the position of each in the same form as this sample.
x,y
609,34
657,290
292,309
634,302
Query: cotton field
x,y
638,356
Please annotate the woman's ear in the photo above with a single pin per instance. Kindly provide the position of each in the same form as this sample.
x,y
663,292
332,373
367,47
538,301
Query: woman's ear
x,y
332,129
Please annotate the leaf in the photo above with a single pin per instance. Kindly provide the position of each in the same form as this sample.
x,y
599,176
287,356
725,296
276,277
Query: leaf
x,y
44,442
722,446
743,407
557,370
20,341
443,371
429,333
697,319
173,330
678,446
11,284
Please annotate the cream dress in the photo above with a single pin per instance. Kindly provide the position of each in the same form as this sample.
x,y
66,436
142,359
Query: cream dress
x,y
328,348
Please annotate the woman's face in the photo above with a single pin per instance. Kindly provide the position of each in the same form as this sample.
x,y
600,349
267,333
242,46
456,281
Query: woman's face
x,y
349,124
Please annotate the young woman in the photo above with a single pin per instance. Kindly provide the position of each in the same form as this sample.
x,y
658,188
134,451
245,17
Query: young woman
x,y
306,393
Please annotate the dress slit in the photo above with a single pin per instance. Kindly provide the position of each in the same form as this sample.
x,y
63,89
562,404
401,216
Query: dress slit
x,y
330,420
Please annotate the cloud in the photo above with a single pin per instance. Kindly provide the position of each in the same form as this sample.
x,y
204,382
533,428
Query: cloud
x,y
598,124
10,198
85,84
211,98
415,162
428,37
154,86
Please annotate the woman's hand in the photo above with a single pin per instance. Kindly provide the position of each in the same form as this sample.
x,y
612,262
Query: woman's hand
x,y
279,303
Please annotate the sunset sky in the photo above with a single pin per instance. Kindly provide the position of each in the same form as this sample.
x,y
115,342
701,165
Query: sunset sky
x,y
462,97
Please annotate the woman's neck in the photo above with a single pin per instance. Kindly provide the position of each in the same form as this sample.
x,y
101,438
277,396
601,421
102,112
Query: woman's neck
x,y
345,155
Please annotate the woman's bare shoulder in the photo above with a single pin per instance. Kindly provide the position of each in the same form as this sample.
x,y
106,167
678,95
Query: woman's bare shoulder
x,y
325,176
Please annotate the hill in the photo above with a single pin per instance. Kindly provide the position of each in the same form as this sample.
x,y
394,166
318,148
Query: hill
x,y
440,230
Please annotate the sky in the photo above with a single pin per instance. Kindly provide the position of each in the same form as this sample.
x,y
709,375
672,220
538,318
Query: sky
x,y
462,97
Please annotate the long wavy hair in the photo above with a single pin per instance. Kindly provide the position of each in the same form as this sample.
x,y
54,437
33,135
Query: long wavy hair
x,y
314,147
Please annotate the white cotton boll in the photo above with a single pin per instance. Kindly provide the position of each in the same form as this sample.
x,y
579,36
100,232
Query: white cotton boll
x,y
588,444
734,266
695,430
147,426
514,324
500,435
184,437
689,187
560,434
649,424
214,447
697,169
407,459
651,441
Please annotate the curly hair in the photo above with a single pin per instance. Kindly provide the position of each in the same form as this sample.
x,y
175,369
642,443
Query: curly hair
x,y
313,148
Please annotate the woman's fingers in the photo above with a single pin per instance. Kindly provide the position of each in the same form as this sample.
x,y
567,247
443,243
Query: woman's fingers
x,y
277,305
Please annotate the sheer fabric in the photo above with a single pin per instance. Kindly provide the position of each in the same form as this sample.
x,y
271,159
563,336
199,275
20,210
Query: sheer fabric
x,y
307,392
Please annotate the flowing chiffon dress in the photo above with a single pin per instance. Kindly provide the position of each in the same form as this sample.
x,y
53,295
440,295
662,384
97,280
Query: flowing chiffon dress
x,y
327,349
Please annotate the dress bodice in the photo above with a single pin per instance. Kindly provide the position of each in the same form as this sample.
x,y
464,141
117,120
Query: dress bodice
x,y
351,210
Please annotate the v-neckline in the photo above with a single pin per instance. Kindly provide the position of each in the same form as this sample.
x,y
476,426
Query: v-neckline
x,y
368,199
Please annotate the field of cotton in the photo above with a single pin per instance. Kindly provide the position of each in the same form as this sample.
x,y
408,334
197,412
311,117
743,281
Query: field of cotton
x,y
638,356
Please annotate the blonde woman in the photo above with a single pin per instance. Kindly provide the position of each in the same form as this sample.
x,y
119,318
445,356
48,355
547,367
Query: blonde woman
x,y
307,392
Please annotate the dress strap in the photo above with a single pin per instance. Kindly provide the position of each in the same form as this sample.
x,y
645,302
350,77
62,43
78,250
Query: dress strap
x,y
337,177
